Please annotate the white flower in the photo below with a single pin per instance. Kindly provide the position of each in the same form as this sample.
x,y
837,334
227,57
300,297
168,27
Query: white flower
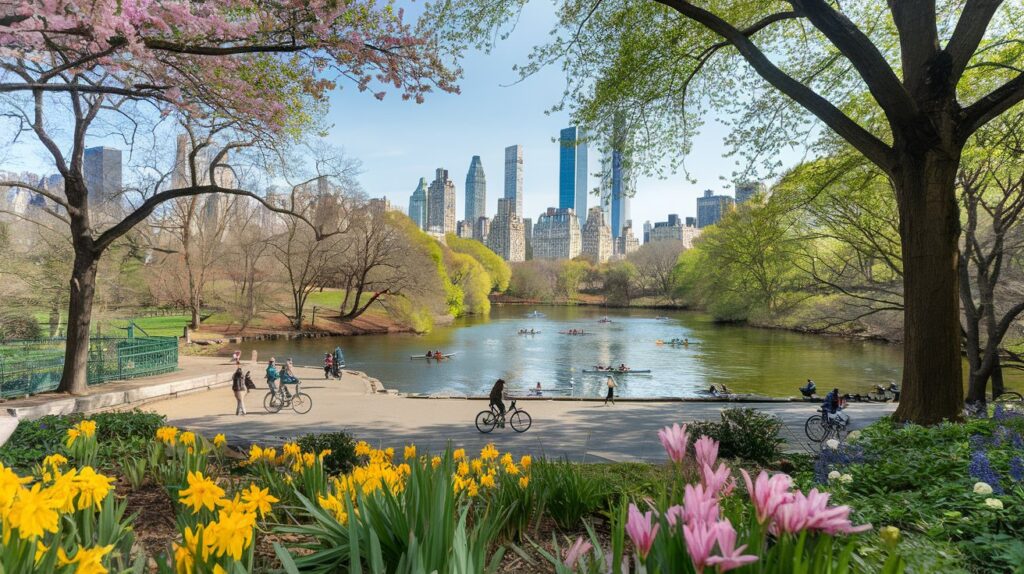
x,y
853,436
834,475
994,503
846,478
982,488
832,444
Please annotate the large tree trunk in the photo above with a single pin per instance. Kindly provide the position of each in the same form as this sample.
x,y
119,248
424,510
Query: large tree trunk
x,y
74,379
930,229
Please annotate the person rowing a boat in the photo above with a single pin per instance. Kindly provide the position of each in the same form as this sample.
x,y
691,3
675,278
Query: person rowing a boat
x,y
623,368
430,354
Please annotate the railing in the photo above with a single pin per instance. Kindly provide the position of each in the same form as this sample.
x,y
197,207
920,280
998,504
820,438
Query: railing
x,y
35,366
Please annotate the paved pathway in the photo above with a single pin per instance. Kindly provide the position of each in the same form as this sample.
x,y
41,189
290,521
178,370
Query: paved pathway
x,y
579,430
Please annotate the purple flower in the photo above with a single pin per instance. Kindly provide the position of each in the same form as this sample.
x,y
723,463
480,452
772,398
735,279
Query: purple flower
x,y
981,469
1017,469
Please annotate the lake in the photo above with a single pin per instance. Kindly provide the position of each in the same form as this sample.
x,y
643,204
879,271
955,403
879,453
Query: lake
x,y
745,359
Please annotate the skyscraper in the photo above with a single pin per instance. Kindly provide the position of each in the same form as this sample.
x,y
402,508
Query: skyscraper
x,y
441,203
747,189
572,172
711,208
418,204
616,189
597,237
556,235
102,170
476,191
514,177
506,236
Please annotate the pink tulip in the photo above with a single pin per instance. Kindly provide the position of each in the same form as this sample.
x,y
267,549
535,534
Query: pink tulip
x,y
675,440
768,493
812,512
730,557
641,530
573,554
675,514
706,451
700,539
718,481
699,505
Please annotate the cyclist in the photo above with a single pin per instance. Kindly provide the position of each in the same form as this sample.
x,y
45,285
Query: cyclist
x,y
272,375
497,395
831,405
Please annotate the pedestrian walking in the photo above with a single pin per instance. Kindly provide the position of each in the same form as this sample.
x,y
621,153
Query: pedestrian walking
x,y
611,391
272,375
238,388
328,365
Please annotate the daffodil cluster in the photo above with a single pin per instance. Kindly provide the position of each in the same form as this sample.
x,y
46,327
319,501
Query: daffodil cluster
x,y
489,470
81,442
378,473
179,453
289,470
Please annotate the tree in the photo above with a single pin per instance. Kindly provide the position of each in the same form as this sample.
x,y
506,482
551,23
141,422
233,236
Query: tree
x,y
656,262
905,85
570,276
620,283
302,261
496,267
470,276
377,262
262,67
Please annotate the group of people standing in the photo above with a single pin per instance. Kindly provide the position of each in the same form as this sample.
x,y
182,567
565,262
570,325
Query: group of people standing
x,y
242,384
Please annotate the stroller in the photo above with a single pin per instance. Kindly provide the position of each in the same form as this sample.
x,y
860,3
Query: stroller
x,y
809,389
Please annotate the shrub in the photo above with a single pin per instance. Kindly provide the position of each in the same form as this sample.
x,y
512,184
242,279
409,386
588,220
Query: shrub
x,y
566,493
746,434
342,446
14,325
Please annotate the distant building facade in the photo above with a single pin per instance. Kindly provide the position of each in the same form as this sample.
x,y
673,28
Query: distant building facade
x,y
748,189
418,204
674,230
514,177
528,234
476,190
626,243
690,222
556,235
597,237
573,172
441,203
647,232
481,228
505,236
712,208
464,229
101,167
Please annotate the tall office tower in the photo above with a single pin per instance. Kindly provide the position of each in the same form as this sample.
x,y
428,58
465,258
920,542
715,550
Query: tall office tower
x,y
712,208
481,228
617,179
748,189
572,172
556,235
418,204
505,236
514,177
476,190
597,236
441,203
102,170
528,236
647,232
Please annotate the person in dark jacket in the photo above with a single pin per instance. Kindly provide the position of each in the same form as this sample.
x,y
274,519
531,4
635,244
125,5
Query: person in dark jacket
x,y
497,394
238,388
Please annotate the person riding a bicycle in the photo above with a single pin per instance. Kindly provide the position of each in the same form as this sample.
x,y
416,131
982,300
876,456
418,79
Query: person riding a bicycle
x,y
832,405
498,395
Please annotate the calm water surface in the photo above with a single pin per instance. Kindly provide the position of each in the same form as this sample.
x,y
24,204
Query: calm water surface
x,y
746,359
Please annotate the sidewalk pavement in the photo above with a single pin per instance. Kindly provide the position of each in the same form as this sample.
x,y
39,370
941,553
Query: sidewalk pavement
x,y
581,430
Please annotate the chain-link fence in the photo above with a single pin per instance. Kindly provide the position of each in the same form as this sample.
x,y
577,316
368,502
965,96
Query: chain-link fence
x,y
35,366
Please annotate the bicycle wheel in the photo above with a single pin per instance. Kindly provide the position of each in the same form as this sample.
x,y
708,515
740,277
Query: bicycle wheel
x,y
1009,397
485,421
520,421
301,403
816,428
273,402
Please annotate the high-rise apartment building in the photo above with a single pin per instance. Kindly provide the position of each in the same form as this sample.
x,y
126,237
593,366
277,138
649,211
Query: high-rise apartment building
x,y
514,177
690,222
572,172
647,232
505,236
481,228
556,235
617,180
712,208
441,204
597,237
464,229
418,204
101,167
528,234
674,230
626,242
748,189
476,190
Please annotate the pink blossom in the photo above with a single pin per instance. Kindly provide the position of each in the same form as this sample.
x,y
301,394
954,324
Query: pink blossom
x,y
675,514
768,493
699,505
706,451
718,481
641,530
730,556
573,554
812,512
700,539
675,440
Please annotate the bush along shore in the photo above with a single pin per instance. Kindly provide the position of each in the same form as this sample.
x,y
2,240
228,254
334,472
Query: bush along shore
x,y
123,492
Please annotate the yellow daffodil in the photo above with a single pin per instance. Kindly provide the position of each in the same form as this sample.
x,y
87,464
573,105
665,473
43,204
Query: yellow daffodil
x,y
72,437
389,454
463,469
506,459
92,488
487,480
41,551
511,469
55,461
471,488
201,492
291,449
10,484
478,465
524,481
526,461
459,453
489,452
33,512
233,505
167,435
87,428
362,448
231,534
435,462
187,438
87,560
259,499
410,452
219,440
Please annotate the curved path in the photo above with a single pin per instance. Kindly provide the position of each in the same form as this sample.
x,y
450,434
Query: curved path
x,y
578,430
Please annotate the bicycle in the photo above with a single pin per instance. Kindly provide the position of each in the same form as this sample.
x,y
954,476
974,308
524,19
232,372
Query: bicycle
x,y
299,402
821,427
518,419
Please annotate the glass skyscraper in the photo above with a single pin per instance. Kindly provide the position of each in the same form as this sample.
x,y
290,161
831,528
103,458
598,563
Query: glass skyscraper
x,y
514,177
418,204
616,189
476,191
572,172
101,167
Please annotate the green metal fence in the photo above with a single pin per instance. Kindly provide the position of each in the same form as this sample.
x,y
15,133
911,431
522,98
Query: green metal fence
x,y
28,367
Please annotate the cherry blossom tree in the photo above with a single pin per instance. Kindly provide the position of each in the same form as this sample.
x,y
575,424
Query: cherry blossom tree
x,y
260,70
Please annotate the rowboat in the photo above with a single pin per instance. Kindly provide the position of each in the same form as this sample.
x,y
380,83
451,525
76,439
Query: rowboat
x,y
618,372
529,332
536,315
573,334
443,356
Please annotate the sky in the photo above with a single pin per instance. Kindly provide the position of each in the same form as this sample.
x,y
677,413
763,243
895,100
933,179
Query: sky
x,y
400,141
